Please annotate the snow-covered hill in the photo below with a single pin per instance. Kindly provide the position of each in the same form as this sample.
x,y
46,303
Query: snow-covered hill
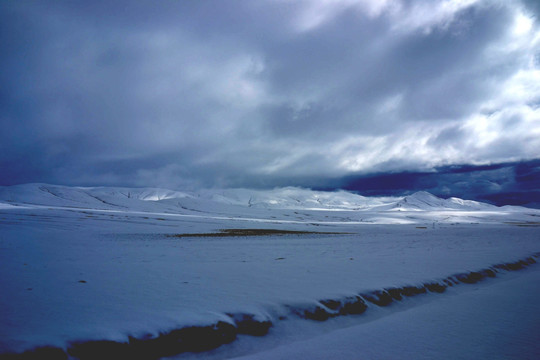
x,y
99,197
281,198
424,201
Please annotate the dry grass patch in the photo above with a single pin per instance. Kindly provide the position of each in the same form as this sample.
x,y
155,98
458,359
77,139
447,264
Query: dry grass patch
x,y
254,232
524,224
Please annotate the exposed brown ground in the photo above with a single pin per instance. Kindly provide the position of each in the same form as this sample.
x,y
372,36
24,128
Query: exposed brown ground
x,y
253,232
524,224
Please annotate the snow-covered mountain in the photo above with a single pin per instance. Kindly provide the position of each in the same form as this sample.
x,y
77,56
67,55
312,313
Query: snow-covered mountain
x,y
282,198
143,199
422,201
293,198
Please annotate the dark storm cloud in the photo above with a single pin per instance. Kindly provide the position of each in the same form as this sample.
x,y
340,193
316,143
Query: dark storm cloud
x,y
354,64
500,184
263,93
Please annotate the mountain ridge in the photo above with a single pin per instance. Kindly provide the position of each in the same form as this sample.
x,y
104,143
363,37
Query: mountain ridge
x,y
278,198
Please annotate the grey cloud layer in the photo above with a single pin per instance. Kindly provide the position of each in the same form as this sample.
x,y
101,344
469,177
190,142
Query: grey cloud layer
x,y
229,93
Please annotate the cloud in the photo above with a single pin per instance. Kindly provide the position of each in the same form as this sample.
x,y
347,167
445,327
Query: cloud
x,y
242,93
501,184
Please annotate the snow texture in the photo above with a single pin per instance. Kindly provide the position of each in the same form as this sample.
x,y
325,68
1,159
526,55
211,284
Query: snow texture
x,y
99,272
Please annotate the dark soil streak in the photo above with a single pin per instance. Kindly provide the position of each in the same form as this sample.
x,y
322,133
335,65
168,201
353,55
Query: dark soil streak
x,y
205,338
255,232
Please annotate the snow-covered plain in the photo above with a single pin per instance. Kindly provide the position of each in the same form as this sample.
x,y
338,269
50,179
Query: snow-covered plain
x,y
78,265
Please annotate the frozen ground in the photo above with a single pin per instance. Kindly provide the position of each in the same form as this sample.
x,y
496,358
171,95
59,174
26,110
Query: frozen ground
x,y
499,320
78,265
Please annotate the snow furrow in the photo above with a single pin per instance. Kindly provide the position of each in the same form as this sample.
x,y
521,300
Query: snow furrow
x,y
204,338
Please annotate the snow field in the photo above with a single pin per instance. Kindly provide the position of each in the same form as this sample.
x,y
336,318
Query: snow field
x,y
100,272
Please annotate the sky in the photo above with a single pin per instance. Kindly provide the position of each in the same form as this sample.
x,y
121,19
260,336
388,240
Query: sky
x,y
313,93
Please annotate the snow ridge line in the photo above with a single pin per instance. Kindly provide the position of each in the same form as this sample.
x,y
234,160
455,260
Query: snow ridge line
x,y
205,338
358,304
